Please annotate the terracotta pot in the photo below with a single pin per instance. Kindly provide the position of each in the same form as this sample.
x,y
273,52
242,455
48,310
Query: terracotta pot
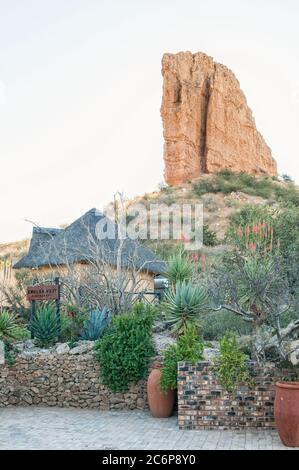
x,y
286,412
160,404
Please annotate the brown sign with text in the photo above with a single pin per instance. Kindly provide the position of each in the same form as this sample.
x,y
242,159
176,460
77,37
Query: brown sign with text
x,y
43,292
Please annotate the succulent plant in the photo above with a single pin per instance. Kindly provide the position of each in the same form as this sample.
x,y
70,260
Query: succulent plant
x,y
183,305
9,327
95,325
45,326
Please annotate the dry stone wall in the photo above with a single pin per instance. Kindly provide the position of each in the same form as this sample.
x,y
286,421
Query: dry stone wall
x,y
63,377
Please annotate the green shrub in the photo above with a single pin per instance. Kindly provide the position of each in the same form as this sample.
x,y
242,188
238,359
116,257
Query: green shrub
x,y
277,232
10,329
215,325
10,354
179,268
124,352
230,366
188,348
287,194
164,249
45,326
265,187
227,181
209,236
72,320
183,305
251,214
287,178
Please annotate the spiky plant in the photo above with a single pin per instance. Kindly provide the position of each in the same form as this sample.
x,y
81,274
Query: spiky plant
x,y
9,327
182,306
95,325
45,326
258,285
179,268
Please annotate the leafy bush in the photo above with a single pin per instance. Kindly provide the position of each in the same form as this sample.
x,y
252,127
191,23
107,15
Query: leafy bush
x,y
230,366
215,325
164,249
251,214
209,202
45,326
72,319
280,235
188,348
287,178
179,268
286,229
288,194
227,181
95,325
9,327
14,295
124,352
209,236
10,354
183,305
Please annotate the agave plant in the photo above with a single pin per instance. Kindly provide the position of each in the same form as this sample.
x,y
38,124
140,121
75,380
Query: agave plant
x,y
182,306
179,268
95,325
45,326
9,327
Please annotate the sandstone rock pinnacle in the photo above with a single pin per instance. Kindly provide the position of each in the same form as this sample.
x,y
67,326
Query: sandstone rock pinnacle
x,y
207,123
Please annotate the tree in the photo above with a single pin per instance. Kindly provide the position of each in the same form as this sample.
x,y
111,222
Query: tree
x,y
256,288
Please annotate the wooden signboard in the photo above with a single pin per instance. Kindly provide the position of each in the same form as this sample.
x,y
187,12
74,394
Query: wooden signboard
x,y
43,292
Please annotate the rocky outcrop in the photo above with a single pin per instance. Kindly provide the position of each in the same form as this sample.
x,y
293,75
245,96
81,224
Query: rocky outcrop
x,y
207,123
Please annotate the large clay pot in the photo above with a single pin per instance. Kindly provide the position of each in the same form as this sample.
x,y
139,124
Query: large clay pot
x,y
160,404
286,412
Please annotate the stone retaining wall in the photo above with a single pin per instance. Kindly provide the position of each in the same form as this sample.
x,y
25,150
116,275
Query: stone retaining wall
x,y
203,403
64,380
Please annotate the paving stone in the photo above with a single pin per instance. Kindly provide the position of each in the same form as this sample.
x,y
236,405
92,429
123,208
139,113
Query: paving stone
x,y
75,428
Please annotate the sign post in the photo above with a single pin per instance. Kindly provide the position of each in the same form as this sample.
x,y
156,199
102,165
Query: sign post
x,y
44,292
57,302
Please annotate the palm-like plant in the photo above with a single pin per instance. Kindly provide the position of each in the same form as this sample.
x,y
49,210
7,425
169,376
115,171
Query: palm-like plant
x,y
45,326
183,304
179,268
258,286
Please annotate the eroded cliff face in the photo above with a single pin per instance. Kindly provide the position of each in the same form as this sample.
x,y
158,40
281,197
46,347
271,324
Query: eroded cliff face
x,y
207,123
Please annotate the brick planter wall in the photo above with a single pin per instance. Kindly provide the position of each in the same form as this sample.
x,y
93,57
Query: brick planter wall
x,y
203,403
63,380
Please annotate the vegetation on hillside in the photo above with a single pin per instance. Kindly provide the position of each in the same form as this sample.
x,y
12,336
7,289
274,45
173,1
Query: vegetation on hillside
x,y
242,286
266,187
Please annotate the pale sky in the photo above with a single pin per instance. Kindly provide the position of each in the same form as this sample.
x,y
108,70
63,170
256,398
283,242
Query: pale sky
x,y
81,87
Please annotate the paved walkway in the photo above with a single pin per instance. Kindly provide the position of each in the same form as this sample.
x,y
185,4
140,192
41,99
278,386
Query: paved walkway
x,y
71,428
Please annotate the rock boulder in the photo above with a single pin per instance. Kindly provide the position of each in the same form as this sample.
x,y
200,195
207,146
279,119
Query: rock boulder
x,y
207,123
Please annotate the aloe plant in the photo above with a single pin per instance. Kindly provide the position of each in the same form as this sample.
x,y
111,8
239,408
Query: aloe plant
x,y
182,306
45,326
179,268
9,327
95,325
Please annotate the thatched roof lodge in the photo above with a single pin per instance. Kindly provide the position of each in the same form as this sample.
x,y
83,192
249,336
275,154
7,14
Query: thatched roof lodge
x,y
78,243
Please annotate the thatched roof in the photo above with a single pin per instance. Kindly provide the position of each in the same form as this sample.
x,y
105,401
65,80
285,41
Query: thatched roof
x,y
79,243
